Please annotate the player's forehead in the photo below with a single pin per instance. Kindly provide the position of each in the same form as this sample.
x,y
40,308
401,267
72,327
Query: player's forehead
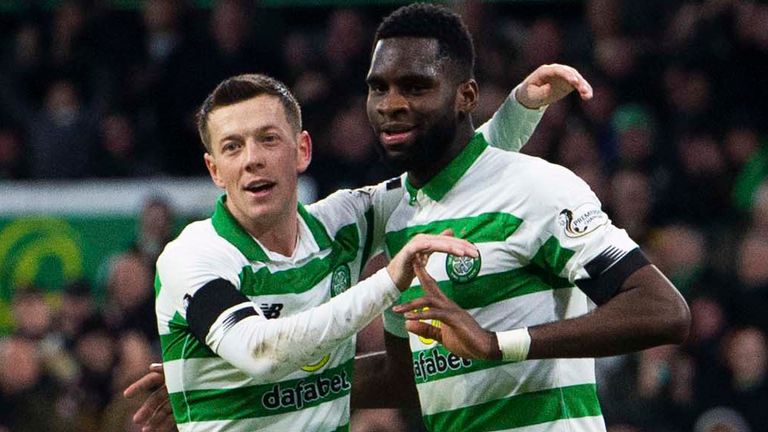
x,y
405,56
259,112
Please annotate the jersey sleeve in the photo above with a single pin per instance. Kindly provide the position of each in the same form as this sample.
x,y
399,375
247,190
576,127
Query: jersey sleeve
x,y
369,206
576,240
511,125
183,268
233,327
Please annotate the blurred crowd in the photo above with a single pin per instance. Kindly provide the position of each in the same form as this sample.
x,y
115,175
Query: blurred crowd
x,y
673,143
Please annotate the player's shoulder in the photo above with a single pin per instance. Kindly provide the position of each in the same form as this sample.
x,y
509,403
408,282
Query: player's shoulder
x,y
535,172
197,242
351,203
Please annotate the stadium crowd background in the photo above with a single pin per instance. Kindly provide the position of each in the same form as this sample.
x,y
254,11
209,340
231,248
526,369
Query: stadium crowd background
x,y
673,143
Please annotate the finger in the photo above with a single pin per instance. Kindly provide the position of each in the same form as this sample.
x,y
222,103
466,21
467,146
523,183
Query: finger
x,y
450,245
161,416
430,313
447,232
582,86
156,367
150,406
418,304
424,330
428,283
149,382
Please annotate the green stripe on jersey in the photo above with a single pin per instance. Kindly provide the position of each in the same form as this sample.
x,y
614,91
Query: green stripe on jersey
x,y
227,227
262,400
486,227
181,344
301,279
319,233
158,285
491,288
519,411
552,257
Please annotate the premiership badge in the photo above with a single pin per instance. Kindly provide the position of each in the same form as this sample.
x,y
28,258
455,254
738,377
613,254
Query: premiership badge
x,y
340,280
462,269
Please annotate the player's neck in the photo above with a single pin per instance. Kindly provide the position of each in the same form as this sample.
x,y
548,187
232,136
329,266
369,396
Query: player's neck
x,y
277,234
281,237
419,176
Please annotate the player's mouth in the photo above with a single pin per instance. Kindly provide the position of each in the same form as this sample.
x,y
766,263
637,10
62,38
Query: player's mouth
x,y
393,135
259,188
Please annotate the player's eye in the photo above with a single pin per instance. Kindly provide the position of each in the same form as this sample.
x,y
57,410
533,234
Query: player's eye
x,y
230,146
376,88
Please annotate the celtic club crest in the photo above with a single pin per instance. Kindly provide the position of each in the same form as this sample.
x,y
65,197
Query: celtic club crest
x,y
462,269
340,280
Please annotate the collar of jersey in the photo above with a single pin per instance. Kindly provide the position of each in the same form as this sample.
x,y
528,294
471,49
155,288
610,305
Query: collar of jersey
x,y
447,178
227,227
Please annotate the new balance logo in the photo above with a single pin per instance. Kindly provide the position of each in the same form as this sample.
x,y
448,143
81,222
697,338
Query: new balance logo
x,y
271,310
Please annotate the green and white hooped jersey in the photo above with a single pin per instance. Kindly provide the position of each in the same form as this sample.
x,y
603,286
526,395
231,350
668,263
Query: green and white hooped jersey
x,y
209,394
336,237
539,229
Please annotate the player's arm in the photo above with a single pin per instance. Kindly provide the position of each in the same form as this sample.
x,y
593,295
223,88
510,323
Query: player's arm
x,y
645,311
231,325
514,122
637,307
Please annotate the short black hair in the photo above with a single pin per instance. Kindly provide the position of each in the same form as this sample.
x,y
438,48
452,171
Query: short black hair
x,y
424,20
241,88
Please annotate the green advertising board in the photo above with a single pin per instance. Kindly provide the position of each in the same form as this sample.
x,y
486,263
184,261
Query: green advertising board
x,y
50,251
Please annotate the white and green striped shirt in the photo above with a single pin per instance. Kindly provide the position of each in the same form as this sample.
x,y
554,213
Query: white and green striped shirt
x,y
336,237
536,225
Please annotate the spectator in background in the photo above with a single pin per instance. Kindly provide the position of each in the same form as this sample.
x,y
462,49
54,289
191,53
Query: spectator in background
x,y
130,298
31,313
26,396
721,419
631,202
160,88
96,354
134,353
12,155
680,252
60,136
156,223
118,153
242,38
745,355
77,307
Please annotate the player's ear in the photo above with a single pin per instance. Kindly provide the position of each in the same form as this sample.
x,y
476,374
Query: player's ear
x,y
467,95
304,151
213,170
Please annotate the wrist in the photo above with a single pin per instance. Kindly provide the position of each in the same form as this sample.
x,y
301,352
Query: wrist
x,y
397,278
514,344
492,352
519,95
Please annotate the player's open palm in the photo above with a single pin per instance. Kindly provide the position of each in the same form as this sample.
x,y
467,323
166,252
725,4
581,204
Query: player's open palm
x,y
458,331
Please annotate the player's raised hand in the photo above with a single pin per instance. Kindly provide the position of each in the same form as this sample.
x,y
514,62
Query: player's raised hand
x,y
550,83
420,246
155,414
458,330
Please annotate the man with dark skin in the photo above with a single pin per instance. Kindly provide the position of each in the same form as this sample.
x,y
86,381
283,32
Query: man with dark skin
x,y
420,99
